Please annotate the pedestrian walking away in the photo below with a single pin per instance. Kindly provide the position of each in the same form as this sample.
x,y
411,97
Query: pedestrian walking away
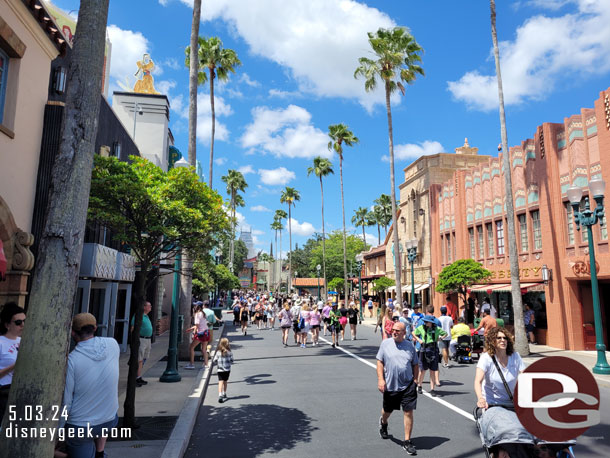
x,y
243,318
352,315
342,318
397,370
334,325
369,306
201,336
326,316
224,358
285,323
443,344
315,320
428,334
295,311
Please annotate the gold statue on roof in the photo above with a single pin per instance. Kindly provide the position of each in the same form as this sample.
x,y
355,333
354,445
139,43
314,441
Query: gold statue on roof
x,y
145,83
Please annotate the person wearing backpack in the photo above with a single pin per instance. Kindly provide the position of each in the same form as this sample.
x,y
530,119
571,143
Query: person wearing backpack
x,y
427,335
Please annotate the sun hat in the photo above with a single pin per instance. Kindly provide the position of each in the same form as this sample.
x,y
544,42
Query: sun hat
x,y
429,319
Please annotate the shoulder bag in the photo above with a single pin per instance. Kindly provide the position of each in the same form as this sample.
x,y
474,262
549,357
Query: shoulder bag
x,y
510,395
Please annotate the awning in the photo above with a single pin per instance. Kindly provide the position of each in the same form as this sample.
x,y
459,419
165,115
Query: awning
x,y
391,289
3,262
501,287
421,287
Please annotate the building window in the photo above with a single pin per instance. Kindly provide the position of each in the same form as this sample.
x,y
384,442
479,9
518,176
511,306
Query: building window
x,y
481,241
536,230
570,222
449,248
443,260
490,240
603,228
454,246
3,77
471,241
523,232
500,237
116,149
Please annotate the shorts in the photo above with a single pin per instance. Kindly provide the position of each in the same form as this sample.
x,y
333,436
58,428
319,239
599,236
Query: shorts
x,y
335,328
326,320
144,351
223,376
204,338
295,327
286,326
424,365
405,399
529,328
343,320
315,326
77,441
443,344
353,321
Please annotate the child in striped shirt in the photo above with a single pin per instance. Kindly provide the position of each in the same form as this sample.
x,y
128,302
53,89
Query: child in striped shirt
x,y
224,358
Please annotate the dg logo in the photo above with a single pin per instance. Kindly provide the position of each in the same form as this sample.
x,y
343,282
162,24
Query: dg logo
x,y
557,399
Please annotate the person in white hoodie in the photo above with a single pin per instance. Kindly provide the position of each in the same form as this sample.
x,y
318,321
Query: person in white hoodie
x,y
91,396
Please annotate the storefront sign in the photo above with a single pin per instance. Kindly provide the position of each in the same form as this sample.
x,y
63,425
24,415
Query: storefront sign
x,y
583,268
525,272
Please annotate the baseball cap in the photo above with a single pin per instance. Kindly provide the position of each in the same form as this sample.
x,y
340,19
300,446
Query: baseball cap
x,y
443,309
81,320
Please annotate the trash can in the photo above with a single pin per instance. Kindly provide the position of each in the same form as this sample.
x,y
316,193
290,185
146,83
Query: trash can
x,y
218,314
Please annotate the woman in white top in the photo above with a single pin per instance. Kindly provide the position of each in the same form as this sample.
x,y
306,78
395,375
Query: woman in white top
x,y
499,422
12,320
304,330
201,335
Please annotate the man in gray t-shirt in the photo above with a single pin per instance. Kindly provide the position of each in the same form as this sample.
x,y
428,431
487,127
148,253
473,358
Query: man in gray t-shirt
x,y
397,368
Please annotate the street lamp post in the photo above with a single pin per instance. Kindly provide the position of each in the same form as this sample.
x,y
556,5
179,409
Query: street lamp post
x,y
171,375
359,259
412,256
296,274
318,267
589,218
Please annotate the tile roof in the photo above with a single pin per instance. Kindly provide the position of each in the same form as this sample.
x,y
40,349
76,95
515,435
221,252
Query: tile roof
x,y
307,282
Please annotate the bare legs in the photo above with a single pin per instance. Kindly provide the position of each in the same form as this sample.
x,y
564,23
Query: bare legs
x,y
353,331
204,351
285,332
408,421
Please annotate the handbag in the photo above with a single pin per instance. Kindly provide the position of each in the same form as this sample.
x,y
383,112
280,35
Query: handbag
x,y
302,323
204,335
510,395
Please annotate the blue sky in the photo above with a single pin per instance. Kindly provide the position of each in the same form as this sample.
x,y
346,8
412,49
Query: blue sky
x,y
298,61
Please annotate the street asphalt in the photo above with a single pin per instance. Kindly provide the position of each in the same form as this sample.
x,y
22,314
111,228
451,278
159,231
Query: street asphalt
x,y
324,402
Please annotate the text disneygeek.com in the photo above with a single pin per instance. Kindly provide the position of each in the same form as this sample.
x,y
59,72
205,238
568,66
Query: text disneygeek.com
x,y
83,432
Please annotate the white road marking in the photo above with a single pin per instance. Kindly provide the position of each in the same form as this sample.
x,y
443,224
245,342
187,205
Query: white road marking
x,y
425,393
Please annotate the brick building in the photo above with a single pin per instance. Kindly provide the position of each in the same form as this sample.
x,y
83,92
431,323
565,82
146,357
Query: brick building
x,y
469,221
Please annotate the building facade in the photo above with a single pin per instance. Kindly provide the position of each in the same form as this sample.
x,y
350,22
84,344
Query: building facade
x,y
469,221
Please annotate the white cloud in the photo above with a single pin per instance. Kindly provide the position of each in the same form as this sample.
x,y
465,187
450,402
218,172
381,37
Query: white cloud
x,y
318,41
545,51
245,78
127,48
285,132
285,94
370,239
172,63
220,160
246,169
259,208
165,86
276,177
411,151
257,232
204,115
305,229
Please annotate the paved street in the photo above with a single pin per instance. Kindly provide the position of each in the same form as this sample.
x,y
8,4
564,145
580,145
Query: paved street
x,y
323,402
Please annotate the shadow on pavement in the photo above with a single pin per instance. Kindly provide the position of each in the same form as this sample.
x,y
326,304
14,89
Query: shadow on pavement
x,y
248,431
257,379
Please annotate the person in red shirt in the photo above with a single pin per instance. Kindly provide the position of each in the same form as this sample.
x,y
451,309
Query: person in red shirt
x,y
487,322
452,309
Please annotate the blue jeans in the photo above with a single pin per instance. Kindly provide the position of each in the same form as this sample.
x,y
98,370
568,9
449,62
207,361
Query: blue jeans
x,y
84,446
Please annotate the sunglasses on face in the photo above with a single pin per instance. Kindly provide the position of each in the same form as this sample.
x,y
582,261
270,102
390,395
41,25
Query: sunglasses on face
x,y
501,338
19,322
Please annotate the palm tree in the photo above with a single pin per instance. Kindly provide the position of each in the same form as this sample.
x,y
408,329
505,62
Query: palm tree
x,y
515,286
322,167
193,80
277,226
340,134
378,215
397,58
361,218
235,182
290,196
280,215
385,202
220,62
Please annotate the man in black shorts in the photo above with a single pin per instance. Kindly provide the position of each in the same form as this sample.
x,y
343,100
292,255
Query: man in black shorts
x,y
397,370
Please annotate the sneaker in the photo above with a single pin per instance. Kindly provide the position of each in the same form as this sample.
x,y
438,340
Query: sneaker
x,y
225,397
189,367
432,393
383,429
333,345
409,448
245,333
221,399
141,381
419,390
438,383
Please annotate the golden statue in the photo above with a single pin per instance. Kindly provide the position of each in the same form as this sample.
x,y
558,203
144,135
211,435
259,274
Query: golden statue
x,y
145,83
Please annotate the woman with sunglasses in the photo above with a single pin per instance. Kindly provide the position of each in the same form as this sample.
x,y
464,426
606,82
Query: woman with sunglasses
x,y
12,319
494,384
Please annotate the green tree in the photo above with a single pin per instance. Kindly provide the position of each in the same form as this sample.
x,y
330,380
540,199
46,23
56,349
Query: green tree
x,y
361,218
337,284
521,344
236,183
224,278
155,213
339,135
334,253
397,58
220,62
277,227
290,196
321,168
203,280
40,371
459,276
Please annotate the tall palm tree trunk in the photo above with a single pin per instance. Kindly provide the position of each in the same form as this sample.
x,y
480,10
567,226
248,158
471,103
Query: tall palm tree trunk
x,y
397,260
281,262
232,245
344,245
213,125
323,242
289,250
515,285
193,70
275,264
378,235
363,235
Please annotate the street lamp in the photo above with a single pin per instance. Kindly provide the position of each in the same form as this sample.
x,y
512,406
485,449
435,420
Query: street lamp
x,y
296,275
171,374
318,267
412,256
359,258
589,218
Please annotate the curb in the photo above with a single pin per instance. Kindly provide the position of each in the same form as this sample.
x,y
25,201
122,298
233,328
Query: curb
x,y
179,439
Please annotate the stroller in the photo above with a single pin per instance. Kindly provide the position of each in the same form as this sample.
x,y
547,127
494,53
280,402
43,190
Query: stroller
x,y
522,448
463,350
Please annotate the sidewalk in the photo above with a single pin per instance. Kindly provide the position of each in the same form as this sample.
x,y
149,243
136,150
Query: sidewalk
x,y
166,412
586,358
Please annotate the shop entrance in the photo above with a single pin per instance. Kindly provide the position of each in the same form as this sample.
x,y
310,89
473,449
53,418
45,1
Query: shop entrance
x,y
588,318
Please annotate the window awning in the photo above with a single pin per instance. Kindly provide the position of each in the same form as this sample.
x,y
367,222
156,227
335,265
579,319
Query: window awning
x,y
501,287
